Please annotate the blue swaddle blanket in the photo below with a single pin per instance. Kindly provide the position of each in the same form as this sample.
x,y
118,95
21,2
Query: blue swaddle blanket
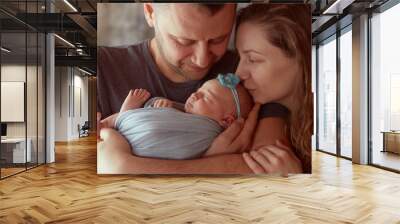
x,y
166,132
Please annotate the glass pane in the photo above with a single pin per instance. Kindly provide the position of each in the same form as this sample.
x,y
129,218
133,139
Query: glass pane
x,y
314,87
346,94
41,98
385,86
31,100
327,96
23,59
13,85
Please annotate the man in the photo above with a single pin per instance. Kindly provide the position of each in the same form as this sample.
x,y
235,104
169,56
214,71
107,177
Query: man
x,y
176,62
189,48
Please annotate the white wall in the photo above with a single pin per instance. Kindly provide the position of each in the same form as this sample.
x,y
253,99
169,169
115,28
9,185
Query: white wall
x,y
61,103
70,83
17,73
80,99
13,73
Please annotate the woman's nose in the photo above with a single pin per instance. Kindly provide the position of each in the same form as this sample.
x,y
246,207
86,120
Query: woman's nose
x,y
242,73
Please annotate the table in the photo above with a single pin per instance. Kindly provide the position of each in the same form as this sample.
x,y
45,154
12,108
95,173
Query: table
x,y
391,141
16,147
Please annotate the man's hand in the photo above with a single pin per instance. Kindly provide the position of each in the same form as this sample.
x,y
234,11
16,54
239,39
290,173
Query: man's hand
x,y
237,137
163,103
273,159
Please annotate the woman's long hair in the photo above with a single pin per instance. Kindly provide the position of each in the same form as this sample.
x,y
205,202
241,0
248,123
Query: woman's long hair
x,y
288,28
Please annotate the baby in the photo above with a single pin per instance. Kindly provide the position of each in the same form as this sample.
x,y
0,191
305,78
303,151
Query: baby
x,y
170,130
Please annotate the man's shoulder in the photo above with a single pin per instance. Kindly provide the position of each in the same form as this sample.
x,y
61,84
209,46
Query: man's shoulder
x,y
121,50
122,59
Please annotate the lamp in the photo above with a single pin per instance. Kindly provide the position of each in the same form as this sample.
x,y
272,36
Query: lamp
x,y
70,5
337,7
5,50
84,71
64,40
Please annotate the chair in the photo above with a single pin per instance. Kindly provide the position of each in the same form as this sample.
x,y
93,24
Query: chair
x,y
84,130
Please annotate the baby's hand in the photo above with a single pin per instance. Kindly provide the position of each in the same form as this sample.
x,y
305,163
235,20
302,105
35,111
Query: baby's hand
x,y
163,103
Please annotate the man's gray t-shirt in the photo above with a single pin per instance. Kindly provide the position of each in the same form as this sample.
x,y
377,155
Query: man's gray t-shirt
x,y
121,69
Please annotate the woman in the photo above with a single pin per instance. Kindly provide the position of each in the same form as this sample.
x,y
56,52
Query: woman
x,y
274,46
264,157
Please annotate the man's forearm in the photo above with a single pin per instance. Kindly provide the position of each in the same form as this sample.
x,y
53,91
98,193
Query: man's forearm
x,y
224,164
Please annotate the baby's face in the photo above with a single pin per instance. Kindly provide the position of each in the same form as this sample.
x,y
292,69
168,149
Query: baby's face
x,y
212,100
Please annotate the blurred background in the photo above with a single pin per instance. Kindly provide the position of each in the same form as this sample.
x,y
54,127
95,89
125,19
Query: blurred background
x,y
113,28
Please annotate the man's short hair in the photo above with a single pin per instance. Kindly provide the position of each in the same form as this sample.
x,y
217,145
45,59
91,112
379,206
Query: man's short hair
x,y
212,8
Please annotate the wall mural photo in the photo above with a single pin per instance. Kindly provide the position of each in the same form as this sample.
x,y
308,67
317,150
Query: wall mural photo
x,y
196,88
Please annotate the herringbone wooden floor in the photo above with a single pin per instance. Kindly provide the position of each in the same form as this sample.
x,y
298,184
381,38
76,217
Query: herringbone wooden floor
x,y
70,191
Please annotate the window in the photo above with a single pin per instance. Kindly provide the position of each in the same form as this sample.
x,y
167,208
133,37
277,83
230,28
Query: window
x,y
385,88
22,66
346,93
314,89
327,95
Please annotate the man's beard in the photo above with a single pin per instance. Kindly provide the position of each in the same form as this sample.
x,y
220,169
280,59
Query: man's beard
x,y
175,68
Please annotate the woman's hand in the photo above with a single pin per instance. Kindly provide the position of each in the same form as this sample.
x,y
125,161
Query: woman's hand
x,y
238,136
107,122
273,159
112,152
99,125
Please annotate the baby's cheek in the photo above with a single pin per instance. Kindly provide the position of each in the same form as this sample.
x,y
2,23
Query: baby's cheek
x,y
205,110
196,109
214,111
